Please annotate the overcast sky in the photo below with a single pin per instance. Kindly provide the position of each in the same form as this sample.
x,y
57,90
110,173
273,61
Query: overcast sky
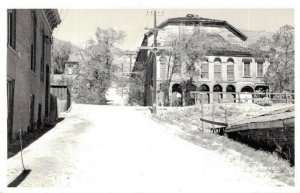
x,y
77,26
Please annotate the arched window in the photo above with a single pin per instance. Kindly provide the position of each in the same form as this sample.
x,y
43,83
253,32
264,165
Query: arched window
x,y
204,68
230,88
217,69
247,89
204,87
230,69
217,88
177,66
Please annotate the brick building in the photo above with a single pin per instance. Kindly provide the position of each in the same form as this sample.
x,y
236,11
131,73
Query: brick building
x,y
28,68
222,71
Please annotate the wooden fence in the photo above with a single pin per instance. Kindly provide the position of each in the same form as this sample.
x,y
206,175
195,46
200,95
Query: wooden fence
x,y
63,97
240,97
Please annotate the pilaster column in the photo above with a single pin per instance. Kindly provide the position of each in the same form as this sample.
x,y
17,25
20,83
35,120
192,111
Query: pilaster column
x,y
183,97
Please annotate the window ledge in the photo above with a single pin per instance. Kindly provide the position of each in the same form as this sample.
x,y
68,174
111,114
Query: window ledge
x,y
12,50
32,72
247,76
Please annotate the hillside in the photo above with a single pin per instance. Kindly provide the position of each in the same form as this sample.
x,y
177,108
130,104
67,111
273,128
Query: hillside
x,y
253,36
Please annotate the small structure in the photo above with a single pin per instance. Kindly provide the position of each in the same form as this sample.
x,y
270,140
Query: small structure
x,y
62,93
273,132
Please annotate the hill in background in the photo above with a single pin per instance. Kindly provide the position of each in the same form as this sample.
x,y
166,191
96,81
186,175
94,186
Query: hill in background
x,y
253,36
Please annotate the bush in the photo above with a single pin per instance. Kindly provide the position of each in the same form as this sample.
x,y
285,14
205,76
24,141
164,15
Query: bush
x,y
263,101
136,91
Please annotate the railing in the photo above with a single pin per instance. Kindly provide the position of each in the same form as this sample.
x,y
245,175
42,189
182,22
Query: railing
x,y
241,97
221,125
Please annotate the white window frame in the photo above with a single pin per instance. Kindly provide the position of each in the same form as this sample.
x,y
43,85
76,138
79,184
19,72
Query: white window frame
x,y
220,65
207,64
249,69
262,66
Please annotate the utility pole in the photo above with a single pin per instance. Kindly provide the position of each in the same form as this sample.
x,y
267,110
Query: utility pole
x,y
154,78
154,50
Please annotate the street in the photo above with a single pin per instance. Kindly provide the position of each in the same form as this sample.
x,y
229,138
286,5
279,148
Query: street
x,y
118,148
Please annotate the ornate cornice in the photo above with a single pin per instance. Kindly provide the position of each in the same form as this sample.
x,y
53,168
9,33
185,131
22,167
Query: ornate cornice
x,y
53,18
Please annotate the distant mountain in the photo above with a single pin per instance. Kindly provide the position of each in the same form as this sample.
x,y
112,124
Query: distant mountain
x,y
253,36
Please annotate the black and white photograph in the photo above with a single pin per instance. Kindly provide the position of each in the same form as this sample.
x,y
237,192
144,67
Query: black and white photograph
x,y
149,100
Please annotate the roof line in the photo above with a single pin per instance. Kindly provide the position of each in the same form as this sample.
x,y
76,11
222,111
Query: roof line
x,y
201,21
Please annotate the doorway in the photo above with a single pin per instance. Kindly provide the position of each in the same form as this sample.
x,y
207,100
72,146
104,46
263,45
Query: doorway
x,y
31,110
10,109
47,92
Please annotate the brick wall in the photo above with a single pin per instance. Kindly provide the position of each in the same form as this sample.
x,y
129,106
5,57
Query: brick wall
x,y
278,139
27,82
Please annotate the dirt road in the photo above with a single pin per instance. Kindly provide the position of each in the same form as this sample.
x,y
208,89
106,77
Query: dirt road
x,y
119,149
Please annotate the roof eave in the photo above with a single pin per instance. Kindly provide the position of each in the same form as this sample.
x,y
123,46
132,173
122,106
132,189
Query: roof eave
x,y
205,22
53,17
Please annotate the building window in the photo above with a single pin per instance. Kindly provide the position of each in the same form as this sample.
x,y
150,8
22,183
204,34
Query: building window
x,y
33,45
260,71
12,28
197,65
230,69
42,73
10,109
31,112
217,69
162,61
70,71
246,69
204,69
177,68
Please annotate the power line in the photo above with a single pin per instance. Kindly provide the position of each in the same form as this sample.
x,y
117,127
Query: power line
x,y
141,27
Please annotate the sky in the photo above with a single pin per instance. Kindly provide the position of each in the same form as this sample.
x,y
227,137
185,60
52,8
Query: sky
x,y
79,25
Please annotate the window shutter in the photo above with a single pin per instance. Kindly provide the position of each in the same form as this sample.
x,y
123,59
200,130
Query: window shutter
x,y
41,78
13,29
34,21
32,57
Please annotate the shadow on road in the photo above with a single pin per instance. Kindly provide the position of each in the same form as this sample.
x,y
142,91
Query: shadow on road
x,y
19,179
28,139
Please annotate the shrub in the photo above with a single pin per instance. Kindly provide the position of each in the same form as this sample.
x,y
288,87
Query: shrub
x,y
136,91
263,101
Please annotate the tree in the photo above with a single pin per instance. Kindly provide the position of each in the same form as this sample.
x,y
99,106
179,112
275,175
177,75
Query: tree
x,y
61,54
97,67
188,50
280,52
136,88
197,46
173,59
